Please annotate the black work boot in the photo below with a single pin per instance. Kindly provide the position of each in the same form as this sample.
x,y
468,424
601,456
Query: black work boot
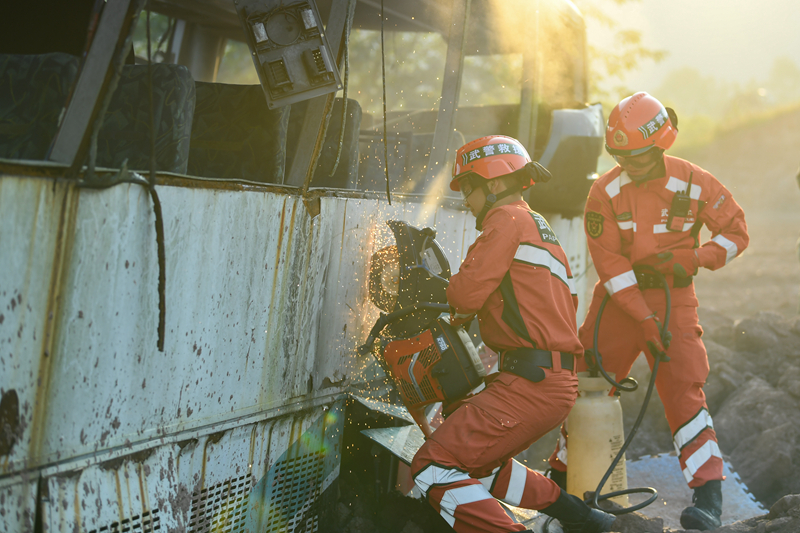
x,y
707,509
577,517
558,477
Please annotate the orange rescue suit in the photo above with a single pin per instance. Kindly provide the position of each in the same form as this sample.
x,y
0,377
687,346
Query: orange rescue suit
x,y
516,278
626,225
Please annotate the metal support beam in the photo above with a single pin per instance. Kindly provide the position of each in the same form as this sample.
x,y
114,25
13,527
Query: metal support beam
x,y
451,88
200,49
315,122
112,39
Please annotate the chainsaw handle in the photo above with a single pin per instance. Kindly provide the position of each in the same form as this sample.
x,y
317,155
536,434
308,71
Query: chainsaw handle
x,y
387,318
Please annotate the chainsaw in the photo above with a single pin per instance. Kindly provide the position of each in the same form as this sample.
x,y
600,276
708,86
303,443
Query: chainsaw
x,y
427,358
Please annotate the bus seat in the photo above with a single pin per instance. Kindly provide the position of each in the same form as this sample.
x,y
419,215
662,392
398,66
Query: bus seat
x,y
235,135
346,175
125,133
33,91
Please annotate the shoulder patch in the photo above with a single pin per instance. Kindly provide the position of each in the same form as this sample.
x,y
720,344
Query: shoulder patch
x,y
545,231
594,224
622,217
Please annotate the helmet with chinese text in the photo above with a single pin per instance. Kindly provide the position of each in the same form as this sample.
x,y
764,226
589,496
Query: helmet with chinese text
x,y
637,124
494,156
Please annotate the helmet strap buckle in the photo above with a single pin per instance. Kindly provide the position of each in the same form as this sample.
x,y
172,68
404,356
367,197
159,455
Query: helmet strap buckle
x,y
491,199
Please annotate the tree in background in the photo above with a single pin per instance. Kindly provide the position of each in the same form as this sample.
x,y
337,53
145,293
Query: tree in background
x,y
610,64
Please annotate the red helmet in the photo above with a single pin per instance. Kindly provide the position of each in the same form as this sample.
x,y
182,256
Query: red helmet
x,y
490,157
637,124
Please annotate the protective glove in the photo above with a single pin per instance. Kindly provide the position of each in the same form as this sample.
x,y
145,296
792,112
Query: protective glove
x,y
652,335
683,263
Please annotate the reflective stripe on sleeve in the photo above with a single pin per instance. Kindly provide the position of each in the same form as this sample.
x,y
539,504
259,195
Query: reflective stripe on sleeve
x,y
536,256
618,283
516,485
691,429
731,249
627,224
461,496
699,458
436,475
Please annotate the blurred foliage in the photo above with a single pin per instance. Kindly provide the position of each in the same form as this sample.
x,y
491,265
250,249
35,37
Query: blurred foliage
x,y
610,65
414,70
415,65
708,107
160,26
237,65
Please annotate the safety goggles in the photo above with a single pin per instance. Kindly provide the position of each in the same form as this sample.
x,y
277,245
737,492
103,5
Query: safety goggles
x,y
638,161
467,184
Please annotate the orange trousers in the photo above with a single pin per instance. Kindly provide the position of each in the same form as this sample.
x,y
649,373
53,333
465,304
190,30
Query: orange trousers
x,y
679,381
468,461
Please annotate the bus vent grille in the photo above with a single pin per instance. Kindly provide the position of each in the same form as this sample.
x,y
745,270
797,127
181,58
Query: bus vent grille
x,y
294,495
147,522
221,508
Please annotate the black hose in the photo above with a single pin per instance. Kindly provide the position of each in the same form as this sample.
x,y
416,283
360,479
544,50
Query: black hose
x,y
598,362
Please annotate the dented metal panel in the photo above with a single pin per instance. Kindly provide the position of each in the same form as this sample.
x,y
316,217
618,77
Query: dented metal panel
x,y
265,306
33,215
18,505
194,485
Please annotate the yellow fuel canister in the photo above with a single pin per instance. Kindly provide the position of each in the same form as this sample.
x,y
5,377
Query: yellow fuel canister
x,y
595,431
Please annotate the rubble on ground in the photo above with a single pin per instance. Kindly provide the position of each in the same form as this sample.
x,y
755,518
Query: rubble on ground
x,y
753,391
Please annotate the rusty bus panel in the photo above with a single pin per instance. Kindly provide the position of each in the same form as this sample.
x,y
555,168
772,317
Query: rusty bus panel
x,y
18,504
193,485
32,216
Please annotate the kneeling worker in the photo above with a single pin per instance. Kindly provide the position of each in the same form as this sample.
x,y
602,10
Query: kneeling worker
x,y
517,280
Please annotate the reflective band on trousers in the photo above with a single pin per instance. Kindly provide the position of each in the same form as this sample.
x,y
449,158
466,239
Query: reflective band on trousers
x,y
516,485
618,283
562,449
436,475
692,429
731,249
461,496
625,224
488,481
536,256
699,458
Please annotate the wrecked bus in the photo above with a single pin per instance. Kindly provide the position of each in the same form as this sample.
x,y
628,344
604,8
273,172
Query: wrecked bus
x,y
182,296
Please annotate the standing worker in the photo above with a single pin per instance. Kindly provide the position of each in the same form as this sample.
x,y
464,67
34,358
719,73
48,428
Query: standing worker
x,y
648,210
517,280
